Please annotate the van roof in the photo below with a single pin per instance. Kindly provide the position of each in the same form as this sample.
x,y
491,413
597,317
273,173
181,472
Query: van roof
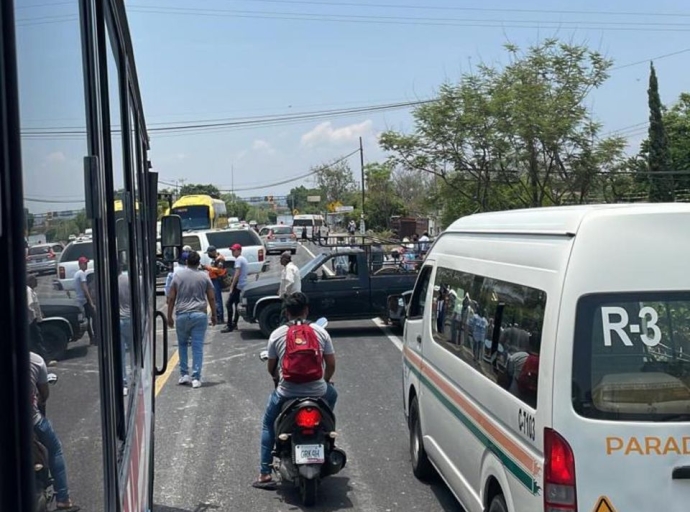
x,y
554,220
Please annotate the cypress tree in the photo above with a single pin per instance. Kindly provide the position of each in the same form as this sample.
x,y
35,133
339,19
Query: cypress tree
x,y
658,160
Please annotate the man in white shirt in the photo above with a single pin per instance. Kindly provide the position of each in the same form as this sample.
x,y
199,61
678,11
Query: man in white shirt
x,y
290,281
35,317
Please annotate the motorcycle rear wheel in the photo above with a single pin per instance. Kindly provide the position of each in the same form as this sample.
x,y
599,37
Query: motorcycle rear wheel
x,y
308,490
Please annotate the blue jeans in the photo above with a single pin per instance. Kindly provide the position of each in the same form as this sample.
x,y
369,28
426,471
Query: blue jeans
x,y
125,345
268,434
48,438
218,289
191,328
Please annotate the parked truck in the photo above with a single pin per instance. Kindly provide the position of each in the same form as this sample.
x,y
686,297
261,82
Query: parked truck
x,y
408,226
343,283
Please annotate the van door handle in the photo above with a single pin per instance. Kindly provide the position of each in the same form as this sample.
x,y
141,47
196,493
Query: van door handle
x,y
419,338
681,473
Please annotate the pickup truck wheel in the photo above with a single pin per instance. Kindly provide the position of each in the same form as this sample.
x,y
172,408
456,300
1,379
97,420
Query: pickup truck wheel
x,y
269,318
55,342
293,251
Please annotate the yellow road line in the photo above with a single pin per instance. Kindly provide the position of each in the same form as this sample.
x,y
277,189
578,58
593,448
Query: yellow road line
x,y
161,380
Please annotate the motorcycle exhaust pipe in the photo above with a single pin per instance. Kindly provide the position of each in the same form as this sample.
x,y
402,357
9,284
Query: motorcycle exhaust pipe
x,y
335,463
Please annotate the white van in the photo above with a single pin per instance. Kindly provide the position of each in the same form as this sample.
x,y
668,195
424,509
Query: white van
x,y
547,360
309,222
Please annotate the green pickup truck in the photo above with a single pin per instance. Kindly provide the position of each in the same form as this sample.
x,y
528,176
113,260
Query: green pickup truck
x,y
344,283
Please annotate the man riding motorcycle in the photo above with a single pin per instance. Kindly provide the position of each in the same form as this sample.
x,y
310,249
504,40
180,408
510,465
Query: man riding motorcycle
x,y
297,310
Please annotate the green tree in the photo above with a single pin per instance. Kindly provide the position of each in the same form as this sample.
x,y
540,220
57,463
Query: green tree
x,y
192,189
30,221
676,122
516,136
82,222
334,181
381,199
660,185
297,199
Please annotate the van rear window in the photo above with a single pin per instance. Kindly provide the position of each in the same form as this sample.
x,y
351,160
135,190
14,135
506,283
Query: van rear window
x,y
632,357
75,251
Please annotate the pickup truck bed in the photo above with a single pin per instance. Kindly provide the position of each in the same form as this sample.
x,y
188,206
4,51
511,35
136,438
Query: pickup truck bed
x,y
343,284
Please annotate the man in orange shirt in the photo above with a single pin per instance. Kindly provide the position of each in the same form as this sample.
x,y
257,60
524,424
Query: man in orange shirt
x,y
216,271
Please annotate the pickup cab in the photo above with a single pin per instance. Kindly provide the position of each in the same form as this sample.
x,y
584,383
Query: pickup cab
x,y
342,284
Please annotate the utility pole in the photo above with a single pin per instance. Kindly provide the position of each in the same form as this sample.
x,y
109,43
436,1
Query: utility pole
x,y
361,163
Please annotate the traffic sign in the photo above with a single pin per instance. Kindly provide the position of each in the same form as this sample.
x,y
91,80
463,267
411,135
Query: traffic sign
x,y
341,209
604,505
295,211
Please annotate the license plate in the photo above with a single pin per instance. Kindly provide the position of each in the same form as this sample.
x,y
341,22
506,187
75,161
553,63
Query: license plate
x,y
283,239
309,454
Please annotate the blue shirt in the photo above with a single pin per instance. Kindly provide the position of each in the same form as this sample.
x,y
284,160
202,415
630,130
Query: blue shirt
x,y
242,265
79,278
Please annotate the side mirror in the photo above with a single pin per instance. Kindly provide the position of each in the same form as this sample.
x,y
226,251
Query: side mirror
x,y
171,231
52,378
313,276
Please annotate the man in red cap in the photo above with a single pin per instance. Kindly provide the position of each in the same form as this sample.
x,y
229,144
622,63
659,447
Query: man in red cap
x,y
81,289
239,281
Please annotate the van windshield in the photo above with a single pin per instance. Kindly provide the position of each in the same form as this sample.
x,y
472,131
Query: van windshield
x,y
632,357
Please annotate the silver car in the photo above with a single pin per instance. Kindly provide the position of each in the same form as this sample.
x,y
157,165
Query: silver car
x,y
42,258
279,238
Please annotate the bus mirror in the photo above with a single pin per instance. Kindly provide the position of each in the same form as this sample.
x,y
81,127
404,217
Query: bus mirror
x,y
171,232
121,235
171,254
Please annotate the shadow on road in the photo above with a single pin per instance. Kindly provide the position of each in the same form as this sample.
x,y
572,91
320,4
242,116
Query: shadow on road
x,y
337,330
201,507
333,495
76,352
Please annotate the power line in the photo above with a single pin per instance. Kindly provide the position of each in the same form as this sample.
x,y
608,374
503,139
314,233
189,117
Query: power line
x,y
631,64
402,20
474,9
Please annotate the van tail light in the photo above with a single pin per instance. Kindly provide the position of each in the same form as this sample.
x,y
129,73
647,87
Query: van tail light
x,y
51,254
308,417
61,272
292,236
261,255
559,474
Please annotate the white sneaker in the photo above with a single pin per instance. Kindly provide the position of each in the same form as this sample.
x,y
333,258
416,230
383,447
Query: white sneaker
x,y
196,383
185,379
125,391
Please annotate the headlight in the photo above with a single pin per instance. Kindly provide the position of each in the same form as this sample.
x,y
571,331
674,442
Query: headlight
x,y
80,317
401,303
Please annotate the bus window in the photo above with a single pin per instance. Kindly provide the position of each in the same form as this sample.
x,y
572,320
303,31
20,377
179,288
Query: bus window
x,y
193,217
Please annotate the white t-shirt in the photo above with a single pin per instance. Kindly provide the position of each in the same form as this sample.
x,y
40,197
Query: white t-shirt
x,y
34,306
290,280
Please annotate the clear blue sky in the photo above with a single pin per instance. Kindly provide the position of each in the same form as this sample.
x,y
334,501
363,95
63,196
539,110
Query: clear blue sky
x,y
218,59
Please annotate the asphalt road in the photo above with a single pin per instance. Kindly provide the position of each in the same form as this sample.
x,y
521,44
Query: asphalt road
x,y
207,440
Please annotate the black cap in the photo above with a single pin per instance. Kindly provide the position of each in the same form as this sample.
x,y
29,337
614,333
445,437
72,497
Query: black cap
x,y
211,248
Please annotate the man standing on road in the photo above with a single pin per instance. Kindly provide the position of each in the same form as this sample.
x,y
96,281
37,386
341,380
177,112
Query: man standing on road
x,y
38,375
297,308
216,271
35,317
239,281
190,295
290,281
81,289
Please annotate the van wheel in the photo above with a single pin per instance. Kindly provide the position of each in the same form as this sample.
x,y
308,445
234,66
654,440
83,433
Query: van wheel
x,y
498,504
293,251
55,341
421,467
269,319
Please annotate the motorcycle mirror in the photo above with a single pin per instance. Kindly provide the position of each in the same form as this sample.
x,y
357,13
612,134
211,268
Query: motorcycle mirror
x,y
52,378
322,322
263,355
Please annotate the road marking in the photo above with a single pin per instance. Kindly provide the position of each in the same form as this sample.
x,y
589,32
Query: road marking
x,y
395,340
308,251
162,379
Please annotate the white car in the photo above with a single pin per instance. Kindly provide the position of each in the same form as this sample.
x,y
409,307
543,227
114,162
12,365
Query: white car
x,y
68,264
222,239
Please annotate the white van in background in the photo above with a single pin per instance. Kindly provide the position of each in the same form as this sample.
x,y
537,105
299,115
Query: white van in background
x,y
547,360
310,222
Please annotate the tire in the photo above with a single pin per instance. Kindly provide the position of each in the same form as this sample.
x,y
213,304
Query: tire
x,y
293,251
421,467
498,504
55,341
269,318
308,490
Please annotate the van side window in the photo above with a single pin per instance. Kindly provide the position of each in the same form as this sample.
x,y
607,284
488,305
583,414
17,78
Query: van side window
x,y
418,300
494,326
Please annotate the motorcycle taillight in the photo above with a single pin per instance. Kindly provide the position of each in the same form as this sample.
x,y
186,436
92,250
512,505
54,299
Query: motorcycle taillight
x,y
309,417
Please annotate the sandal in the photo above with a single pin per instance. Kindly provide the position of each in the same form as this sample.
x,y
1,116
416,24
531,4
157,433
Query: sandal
x,y
265,484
